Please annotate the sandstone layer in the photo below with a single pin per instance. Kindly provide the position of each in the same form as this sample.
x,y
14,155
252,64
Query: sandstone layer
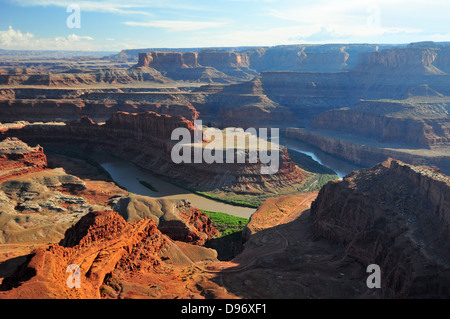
x,y
71,78
38,202
145,139
309,58
17,158
205,66
393,215
368,152
180,221
417,123
63,104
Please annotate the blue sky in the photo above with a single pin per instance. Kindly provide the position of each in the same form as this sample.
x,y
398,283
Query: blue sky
x,y
112,25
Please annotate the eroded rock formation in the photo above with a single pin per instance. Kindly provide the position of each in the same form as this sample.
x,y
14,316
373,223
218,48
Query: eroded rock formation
x,y
58,104
17,158
112,256
145,139
108,76
393,215
37,203
180,221
418,123
205,66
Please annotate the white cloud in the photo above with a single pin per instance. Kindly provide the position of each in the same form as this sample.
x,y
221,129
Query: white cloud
x,y
17,40
74,37
256,37
12,37
349,20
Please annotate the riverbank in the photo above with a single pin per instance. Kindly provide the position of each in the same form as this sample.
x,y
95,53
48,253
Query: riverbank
x,y
367,152
334,164
129,176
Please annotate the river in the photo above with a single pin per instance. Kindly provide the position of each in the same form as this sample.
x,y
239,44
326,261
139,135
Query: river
x,y
128,175
340,166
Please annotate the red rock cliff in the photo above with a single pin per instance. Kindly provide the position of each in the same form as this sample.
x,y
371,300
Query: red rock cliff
x,y
145,139
17,158
168,60
394,215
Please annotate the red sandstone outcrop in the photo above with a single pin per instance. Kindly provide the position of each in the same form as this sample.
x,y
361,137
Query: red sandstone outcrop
x,y
17,159
146,125
204,66
167,60
178,220
105,247
199,221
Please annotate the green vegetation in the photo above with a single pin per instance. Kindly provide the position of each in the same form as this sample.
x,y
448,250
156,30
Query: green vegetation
x,y
248,201
227,224
148,185
321,175
228,242
228,200
317,181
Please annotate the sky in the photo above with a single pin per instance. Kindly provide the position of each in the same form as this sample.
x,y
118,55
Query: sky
x,y
112,25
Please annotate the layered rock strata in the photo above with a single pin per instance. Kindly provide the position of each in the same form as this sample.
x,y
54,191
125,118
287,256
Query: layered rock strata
x,y
37,203
405,122
366,152
394,215
17,158
145,139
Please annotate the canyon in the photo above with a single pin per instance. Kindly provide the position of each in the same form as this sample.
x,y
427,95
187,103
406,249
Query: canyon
x,y
145,140
383,108
40,201
318,245
311,245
